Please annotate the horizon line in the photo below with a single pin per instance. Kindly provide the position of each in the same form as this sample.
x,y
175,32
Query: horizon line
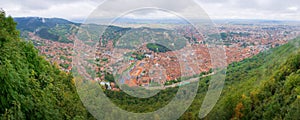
x,y
82,20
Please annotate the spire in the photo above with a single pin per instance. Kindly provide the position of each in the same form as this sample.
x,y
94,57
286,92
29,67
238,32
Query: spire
x,y
100,42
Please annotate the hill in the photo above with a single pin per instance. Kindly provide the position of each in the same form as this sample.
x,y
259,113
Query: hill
x,y
32,23
266,86
55,29
32,88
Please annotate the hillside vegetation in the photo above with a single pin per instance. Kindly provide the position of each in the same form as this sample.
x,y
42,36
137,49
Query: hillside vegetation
x,y
266,86
32,88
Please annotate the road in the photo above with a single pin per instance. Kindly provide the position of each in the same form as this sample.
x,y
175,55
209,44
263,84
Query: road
x,y
179,83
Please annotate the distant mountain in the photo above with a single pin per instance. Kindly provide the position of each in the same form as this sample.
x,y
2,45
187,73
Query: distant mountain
x,y
54,29
254,21
151,21
32,23
57,29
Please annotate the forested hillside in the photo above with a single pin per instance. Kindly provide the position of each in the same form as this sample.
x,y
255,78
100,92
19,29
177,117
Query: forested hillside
x,y
54,29
266,86
32,88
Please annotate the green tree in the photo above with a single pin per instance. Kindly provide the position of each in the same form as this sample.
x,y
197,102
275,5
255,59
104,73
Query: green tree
x,y
32,88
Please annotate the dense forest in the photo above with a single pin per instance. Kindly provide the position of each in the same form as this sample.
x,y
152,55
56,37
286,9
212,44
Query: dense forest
x,y
266,86
32,88
157,47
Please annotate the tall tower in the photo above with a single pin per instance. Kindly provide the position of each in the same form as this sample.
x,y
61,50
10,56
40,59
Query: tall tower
x,y
101,42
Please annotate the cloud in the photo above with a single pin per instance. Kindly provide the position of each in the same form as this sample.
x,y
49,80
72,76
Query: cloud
x,y
216,9
68,9
148,9
252,9
150,14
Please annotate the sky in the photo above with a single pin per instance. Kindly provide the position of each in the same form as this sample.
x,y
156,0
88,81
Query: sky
x,y
76,10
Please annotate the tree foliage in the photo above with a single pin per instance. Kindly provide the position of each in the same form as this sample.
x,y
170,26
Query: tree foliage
x,y
32,88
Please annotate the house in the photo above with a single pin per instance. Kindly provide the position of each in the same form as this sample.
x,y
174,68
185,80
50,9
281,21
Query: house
x,y
106,84
148,55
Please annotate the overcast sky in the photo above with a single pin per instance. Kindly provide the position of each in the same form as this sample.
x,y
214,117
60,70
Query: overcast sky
x,y
216,9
